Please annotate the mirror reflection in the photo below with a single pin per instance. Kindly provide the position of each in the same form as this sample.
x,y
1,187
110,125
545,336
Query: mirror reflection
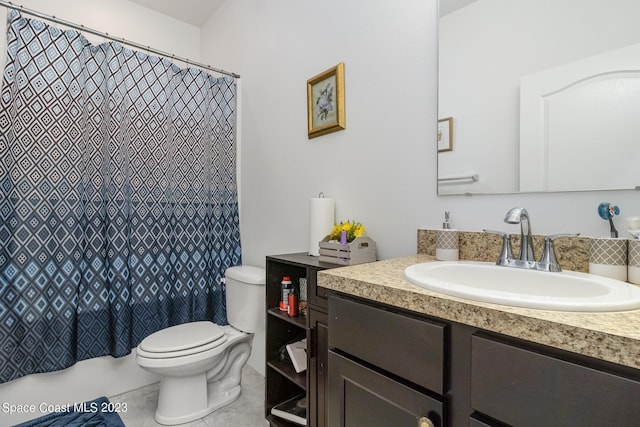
x,y
538,95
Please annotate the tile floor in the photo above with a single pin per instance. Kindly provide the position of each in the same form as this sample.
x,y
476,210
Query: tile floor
x,y
248,410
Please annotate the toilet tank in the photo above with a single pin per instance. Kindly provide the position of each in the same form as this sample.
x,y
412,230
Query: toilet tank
x,y
245,297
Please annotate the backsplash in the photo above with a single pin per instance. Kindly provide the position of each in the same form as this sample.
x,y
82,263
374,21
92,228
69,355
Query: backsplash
x,y
572,252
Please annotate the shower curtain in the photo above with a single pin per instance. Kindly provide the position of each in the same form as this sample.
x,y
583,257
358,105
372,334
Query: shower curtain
x,y
118,199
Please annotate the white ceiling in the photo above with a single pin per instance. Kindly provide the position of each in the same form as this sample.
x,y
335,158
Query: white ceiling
x,y
194,12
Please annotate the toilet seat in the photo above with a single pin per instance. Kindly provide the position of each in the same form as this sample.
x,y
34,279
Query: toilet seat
x,y
182,340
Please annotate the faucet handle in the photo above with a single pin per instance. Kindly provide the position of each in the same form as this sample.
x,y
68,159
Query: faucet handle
x,y
549,262
506,254
500,233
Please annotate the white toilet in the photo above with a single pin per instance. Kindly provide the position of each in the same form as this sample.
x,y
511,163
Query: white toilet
x,y
200,363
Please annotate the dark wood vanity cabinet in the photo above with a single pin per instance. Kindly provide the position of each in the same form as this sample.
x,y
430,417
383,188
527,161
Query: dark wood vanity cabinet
x,y
388,367
385,368
520,385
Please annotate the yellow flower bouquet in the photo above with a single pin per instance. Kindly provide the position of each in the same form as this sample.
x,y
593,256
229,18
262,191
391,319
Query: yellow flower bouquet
x,y
347,245
352,229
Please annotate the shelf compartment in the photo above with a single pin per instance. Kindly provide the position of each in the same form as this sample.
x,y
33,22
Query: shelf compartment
x,y
286,369
300,321
280,387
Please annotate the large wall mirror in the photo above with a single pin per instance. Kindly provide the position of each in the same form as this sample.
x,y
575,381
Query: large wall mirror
x,y
538,95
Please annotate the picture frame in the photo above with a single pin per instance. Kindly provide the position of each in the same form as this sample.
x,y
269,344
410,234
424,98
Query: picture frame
x,y
325,102
445,134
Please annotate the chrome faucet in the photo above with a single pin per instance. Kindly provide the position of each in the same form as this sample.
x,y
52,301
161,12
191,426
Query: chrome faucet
x,y
526,258
520,215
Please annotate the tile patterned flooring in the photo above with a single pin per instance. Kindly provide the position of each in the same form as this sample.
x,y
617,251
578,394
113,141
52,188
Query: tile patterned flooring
x,y
248,410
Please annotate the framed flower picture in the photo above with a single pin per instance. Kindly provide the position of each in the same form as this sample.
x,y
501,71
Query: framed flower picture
x,y
325,102
445,134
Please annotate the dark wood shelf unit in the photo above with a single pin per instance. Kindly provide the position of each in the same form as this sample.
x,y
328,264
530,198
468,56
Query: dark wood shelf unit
x,y
282,381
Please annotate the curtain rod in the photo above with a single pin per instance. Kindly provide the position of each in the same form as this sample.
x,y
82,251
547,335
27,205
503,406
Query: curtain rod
x,y
82,28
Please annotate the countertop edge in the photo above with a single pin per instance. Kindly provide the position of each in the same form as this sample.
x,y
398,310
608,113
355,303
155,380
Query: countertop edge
x,y
610,336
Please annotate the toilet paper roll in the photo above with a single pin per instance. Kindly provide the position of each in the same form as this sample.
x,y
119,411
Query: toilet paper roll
x,y
321,221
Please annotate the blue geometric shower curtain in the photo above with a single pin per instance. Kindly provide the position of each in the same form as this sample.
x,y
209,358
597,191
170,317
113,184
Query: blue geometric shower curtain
x,y
118,199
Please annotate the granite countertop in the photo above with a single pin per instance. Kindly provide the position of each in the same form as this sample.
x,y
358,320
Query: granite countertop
x,y
610,336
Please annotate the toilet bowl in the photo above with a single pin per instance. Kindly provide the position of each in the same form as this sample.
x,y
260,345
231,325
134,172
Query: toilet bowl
x,y
200,363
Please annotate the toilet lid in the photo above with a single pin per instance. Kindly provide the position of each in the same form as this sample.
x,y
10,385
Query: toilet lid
x,y
183,337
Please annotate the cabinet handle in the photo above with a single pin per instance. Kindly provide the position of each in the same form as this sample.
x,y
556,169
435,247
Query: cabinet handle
x,y
311,342
425,422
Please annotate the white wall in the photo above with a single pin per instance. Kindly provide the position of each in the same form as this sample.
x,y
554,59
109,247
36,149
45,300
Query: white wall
x,y
374,167
105,375
382,169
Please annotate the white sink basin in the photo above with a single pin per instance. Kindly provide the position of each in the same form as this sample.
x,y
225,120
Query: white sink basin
x,y
487,282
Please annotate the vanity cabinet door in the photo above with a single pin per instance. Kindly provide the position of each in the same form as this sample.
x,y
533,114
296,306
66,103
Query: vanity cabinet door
x,y
403,345
317,340
522,387
360,396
